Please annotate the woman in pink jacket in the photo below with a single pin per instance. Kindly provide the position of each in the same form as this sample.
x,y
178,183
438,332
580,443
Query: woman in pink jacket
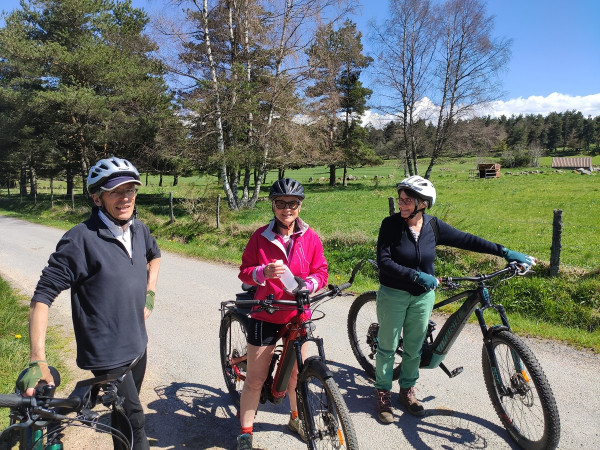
x,y
285,241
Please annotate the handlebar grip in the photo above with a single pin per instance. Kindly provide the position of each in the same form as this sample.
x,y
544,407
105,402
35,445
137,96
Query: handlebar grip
x,y
14,401
247,302
72,403
345,285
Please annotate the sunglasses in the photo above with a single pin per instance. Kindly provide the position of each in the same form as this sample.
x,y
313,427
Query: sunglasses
x,y
293,205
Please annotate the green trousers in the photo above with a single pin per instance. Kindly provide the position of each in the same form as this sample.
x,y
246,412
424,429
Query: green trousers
x,y
400,312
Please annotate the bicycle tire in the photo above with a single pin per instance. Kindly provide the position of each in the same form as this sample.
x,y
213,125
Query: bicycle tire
x,y
362,333
323,411
528,412
232,337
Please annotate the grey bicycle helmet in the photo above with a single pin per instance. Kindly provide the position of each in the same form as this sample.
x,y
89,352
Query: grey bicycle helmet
x,y
286,186
420,186
107,174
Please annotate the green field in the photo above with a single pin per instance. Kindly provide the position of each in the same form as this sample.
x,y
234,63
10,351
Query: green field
x,y
515,210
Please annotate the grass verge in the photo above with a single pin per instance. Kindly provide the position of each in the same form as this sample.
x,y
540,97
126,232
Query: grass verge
x,y
14,343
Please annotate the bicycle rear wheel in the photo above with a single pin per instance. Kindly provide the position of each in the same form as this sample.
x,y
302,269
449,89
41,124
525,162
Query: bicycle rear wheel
x,y
325,415
232,336
362,333
526,404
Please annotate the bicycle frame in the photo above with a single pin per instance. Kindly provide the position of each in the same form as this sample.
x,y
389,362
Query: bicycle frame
x,y
434,351
294,334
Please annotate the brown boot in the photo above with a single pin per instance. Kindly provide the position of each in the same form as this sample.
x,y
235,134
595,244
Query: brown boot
x,y
384,406
409,399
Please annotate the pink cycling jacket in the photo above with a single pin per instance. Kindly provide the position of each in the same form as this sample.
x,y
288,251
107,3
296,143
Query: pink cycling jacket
x,y
306,259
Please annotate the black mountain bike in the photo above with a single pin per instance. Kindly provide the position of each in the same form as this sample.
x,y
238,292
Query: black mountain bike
x,y
322,409
39,422
514,379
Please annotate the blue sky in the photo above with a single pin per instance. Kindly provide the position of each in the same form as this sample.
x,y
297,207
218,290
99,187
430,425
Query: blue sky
x,y
555,62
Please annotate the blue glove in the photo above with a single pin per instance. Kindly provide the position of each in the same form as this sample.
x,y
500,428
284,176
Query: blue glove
x,y
429,282
519,258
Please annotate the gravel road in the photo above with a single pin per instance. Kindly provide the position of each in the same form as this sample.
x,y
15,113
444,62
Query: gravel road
x,y
184,393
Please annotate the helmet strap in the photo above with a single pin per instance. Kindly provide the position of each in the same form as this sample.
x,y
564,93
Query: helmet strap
x,y
280,224
415,212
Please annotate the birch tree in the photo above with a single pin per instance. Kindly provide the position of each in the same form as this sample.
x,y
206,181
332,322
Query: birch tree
x,y
440,64
245,61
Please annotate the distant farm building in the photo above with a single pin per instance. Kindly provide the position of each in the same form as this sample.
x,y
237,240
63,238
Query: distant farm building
x,y
583,162
485,171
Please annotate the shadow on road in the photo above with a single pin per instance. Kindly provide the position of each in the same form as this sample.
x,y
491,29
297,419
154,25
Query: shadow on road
x,y
189,415
197,416
458,428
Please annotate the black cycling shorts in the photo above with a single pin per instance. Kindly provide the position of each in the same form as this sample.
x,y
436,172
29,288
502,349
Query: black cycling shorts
x,y
261,333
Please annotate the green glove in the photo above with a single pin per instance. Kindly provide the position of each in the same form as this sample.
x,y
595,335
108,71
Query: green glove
x,y
519,258
38,370
150,299
429,282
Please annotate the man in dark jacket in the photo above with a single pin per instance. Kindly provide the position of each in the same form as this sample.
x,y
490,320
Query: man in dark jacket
x,y
110,262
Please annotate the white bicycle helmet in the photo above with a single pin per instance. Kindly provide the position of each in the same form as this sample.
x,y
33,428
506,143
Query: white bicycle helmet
x,y
109,173
420,186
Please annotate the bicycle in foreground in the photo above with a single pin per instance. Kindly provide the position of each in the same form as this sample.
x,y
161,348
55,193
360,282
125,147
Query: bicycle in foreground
x,y
517,386
322,409
39,422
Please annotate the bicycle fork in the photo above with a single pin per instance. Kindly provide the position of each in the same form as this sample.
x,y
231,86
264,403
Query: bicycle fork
x,y
488,336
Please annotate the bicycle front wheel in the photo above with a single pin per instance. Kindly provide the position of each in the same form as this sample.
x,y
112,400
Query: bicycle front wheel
x,y
362,333
232,336
524,401
324,413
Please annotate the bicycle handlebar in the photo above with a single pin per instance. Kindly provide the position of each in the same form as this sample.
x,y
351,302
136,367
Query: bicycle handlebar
x,y
298,303
16,401
513,267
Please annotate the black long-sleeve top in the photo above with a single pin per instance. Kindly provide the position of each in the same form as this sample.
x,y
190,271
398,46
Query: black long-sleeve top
x,y
399,256
108,290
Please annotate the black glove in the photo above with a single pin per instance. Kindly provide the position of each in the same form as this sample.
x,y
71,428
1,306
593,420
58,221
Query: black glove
x,y
301,285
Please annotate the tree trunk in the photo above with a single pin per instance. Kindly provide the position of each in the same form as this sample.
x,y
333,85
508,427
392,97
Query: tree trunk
x,y
23,181
231,197
32,181
332,175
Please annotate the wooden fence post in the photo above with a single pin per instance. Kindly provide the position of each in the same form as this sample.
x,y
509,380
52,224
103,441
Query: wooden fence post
x,y
218,209
72,199
392,205
171,216
556,242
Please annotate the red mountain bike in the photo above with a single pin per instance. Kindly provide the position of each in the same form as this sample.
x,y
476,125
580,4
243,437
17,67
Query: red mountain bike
x,y
321,406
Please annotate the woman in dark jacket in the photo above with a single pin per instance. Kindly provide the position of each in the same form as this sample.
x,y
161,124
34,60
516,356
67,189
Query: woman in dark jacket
x,y
405,256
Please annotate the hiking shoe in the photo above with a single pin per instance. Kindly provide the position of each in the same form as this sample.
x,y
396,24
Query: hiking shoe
x,y
244,442
297,427
408,398
384,406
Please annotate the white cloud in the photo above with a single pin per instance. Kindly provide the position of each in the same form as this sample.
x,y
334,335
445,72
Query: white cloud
x,y
588,105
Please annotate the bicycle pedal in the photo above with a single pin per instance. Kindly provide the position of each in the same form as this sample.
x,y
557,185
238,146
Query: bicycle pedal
x,y
456,371
452,374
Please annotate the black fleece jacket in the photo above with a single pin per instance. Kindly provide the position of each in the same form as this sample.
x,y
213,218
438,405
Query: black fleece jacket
x,y
399,256
108,290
